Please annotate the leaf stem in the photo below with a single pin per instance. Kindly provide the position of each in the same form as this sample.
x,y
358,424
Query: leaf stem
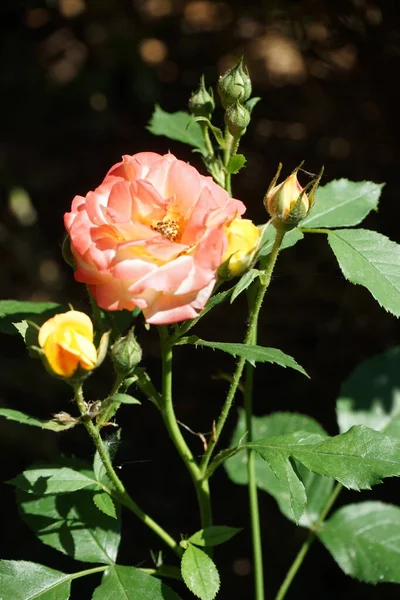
x,y
167,410
89,571
270,261
311,230
120,491
298,561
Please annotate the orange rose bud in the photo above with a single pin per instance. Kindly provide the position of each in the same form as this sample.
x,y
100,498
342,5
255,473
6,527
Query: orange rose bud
x,y
243,241
288,203
67,343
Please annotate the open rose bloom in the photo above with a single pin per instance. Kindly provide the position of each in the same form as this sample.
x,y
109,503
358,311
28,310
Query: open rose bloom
x,y
153,236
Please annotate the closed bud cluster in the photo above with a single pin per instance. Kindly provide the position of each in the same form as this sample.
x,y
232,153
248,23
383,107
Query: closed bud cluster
x,y
201,103
243,241
237,118
234,85
126,354
288,203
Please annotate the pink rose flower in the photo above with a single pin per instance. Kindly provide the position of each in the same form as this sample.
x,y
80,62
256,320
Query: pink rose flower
x,y
152,235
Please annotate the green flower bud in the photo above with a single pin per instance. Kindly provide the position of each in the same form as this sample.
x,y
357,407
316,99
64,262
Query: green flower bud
x,y
234,85
201,103
126,354
237,117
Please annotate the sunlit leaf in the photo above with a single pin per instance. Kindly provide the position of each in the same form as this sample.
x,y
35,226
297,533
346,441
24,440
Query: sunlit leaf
x,y
370,259
200,573
342,203
178,126
364,539
128,583
317,488
251,352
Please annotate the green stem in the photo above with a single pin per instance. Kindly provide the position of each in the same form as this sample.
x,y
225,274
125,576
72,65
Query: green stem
x,y
109,406
167,410
227,156
164,571
252,485
121,493
207,140
310,230
89,572
251,332
298,561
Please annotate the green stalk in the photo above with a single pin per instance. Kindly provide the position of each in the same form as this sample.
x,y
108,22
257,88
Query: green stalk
x,y
252,483
88,572
121,493
167,410
298,561
227,156
250,335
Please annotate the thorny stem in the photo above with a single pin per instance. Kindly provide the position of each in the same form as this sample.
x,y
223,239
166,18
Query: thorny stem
x,y
120,491
251,331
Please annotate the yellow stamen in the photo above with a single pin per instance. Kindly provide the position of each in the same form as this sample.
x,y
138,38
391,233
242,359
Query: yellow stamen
x,y
168,228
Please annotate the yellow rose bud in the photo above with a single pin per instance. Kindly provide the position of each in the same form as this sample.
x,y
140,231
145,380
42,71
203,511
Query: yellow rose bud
x,y
243,240
288,203
67,343
285,199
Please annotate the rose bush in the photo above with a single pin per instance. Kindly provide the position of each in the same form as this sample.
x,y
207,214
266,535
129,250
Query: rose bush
x,y
152,236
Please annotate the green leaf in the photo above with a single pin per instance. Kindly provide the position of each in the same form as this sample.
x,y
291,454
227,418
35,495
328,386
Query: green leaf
x,y
200,573
70,524
213,535
216,299
244,282
364,539
14,311
251,352
291,238
128,583
371,395
318,489
370,259
358,459
236,163
53,479
23,580
105,503
125,399
20,417
178,126
342,203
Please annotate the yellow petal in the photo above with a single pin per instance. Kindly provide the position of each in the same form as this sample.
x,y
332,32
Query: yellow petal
x,y
78,321
61,361
87,352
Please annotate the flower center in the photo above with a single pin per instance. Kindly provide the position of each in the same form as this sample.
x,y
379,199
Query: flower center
x,y
168,228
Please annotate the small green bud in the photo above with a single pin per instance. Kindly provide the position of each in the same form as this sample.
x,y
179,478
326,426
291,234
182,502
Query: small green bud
x,y
234,85
201,103
237,117
126,354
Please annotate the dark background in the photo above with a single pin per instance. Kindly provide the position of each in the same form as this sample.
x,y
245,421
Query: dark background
x,y
78,81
